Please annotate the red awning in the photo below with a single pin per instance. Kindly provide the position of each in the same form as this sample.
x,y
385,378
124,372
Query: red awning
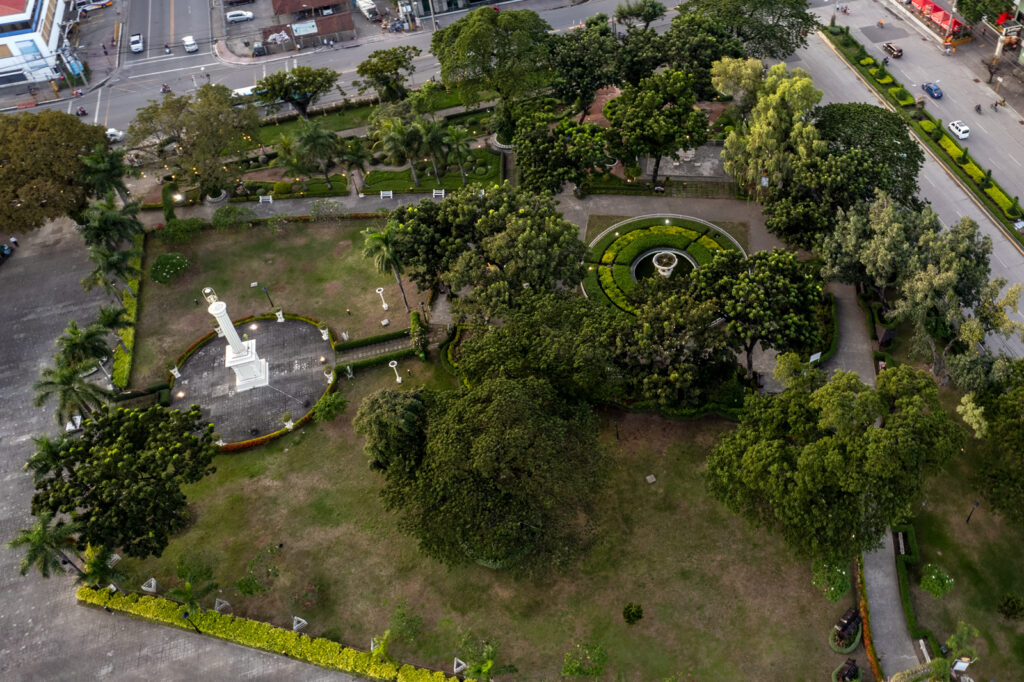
x,y
941,17
1002,18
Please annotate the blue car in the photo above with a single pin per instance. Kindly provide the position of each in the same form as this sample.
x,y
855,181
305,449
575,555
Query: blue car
x,y
932,89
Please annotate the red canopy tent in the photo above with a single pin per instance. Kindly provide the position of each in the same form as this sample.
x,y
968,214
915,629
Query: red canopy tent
x,y
925,6
941,17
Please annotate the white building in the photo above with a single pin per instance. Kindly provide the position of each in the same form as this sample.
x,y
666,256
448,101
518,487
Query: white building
x,y
29,37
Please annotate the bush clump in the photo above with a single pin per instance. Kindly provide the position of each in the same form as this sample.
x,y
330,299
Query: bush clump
x,y
632,613
232,217
329,407
167,266
1011,606
181,230
935,581
282,187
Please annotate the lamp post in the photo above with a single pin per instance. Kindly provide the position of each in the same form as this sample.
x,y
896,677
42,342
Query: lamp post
x,y
973,507
383,303
394,365
188,620
269,300
615,420
423,312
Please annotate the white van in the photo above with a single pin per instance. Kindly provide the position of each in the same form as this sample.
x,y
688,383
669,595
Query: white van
x,y
369,9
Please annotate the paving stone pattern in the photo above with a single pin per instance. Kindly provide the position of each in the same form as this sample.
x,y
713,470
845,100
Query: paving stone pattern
x,y
292,348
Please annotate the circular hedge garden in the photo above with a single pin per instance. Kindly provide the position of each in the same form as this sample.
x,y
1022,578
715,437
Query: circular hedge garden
x,y
610,263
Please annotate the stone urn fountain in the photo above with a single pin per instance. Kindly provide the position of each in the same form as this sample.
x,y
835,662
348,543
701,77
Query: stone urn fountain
x,y
665,262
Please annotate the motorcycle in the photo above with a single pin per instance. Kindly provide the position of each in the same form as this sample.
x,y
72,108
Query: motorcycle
x,y
80,111
164,89
167,48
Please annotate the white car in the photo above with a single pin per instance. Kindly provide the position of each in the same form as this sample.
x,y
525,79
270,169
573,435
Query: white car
x,y
190,44
135,42
238,16
960,129
115,135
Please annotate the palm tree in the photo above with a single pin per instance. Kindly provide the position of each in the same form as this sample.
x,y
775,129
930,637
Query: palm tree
x,y
432,135
75,394
47,457
104,171
381,247
355,156
112,266
79,348
318,144
291,158
457,140
400,143
195,575
114,319
96,567
107,225
45,545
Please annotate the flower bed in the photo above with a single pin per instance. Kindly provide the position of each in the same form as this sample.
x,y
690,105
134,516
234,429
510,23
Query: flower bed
x,y
259,635
848,648
865,618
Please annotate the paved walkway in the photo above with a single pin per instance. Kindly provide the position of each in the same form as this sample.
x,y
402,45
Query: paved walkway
x,y
351,355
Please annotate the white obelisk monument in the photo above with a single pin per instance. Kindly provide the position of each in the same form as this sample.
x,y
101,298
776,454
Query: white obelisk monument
x,y
250,370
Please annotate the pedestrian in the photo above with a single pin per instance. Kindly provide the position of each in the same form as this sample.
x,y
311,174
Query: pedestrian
x,y
348,311
948,50
408,372
332,43
196,300
14,241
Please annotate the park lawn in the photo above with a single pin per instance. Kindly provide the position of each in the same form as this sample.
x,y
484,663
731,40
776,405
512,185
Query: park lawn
x,y
314,269
401,180
985,561
722,601
344,119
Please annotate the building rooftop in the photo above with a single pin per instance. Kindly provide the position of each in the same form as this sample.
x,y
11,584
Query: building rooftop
x,y
9,7
289,6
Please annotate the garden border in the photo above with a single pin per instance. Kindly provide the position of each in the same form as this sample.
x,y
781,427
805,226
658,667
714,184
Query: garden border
x,y
913,556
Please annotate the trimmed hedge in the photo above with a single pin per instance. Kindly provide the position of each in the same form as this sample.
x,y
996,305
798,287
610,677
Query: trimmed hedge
x,y
902,573
370,340
121,371
258,635
833,345
381,359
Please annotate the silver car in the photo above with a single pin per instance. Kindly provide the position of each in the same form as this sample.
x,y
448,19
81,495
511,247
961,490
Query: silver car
x,y
238,16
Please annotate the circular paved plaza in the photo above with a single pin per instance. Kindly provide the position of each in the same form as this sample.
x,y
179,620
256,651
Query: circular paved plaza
x,y
297,356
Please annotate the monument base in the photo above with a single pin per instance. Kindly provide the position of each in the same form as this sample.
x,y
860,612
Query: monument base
x,y
251,371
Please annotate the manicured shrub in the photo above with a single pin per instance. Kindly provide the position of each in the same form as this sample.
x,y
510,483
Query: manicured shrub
x,y
997,195
167,193
935,581
282,187
232,217
632,613
1011,606
329,407
167,266
900,95
180,231
867,61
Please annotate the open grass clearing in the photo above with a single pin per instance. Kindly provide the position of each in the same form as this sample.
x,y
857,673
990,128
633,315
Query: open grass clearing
x,y
484,169
985,562
721,601
313,269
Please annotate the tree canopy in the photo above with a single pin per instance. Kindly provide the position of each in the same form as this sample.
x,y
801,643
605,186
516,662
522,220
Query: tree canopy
x,y
829,465
581,65
121,478
301,86
768,28
386,72
41,170
549,157
508,471
488,50
693,43
204,128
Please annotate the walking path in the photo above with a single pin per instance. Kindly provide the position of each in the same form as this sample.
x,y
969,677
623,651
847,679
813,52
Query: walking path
x,y
351,355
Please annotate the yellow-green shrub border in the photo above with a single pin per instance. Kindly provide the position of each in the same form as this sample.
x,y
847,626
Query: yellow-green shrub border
x,y
259,635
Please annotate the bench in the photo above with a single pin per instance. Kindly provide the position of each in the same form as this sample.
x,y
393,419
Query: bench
x,y
439,193
387,194
266,199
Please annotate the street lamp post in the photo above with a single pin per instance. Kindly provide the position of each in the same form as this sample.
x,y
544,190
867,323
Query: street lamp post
x,y
269,300
973,507
616,422
188,620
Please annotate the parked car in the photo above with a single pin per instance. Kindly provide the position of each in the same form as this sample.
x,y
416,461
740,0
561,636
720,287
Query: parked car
x,y
259,50
932,89
115,135
960,129
190,44
893,50
239,2
5,252
237,16
135,42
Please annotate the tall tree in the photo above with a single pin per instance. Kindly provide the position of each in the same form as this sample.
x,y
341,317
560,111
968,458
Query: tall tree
x,y
507,476
548,158
767,299
122,478
830,465
641,12
386,72
488,50
638,55
104,170
81,347
581,65
656,119
432,134
196,576
400,143
878,245
457,142
97,570
741,79
974,10
114,319
354,155
768,28
294,160
896,157
380,246
319,145
204,128
112,266
46,545
75,394
40,176
393,424
300,87
108,226
46,456
693,43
